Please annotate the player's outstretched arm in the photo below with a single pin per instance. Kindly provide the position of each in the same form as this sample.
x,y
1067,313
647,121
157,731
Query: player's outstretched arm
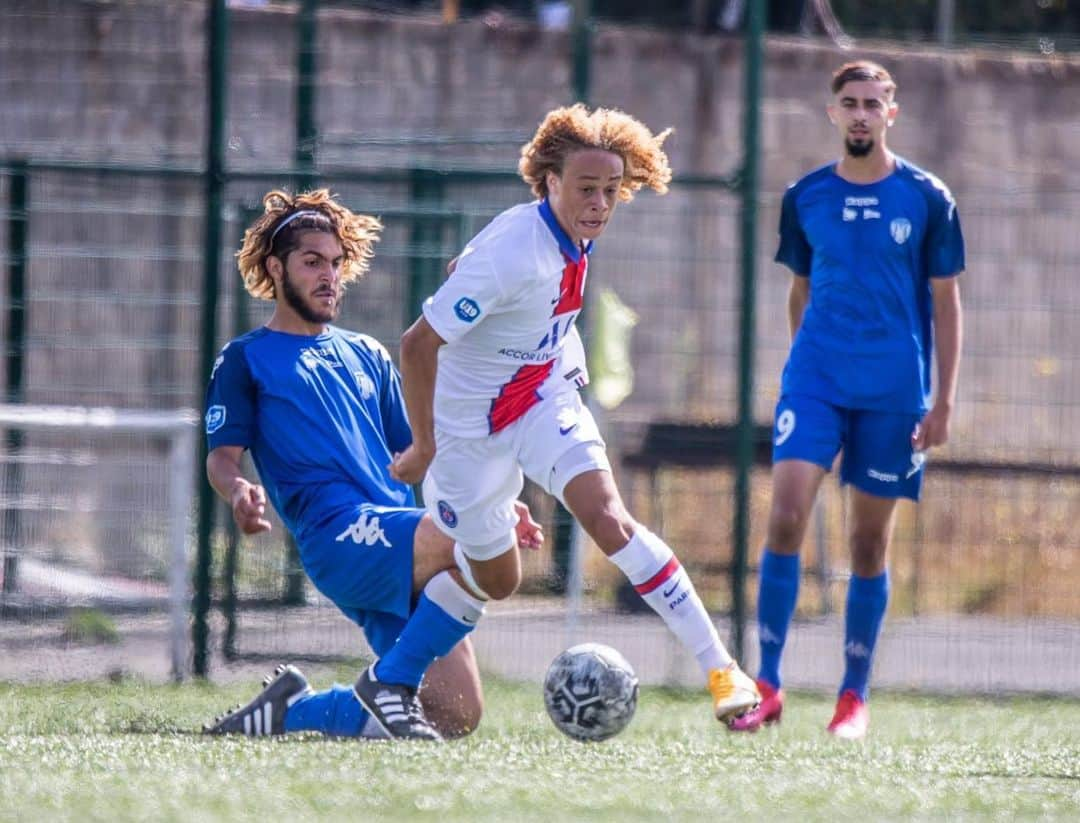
x,y
246,499
948,339
419,365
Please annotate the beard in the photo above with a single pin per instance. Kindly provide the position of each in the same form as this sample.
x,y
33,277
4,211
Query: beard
x,y
296,302
858,149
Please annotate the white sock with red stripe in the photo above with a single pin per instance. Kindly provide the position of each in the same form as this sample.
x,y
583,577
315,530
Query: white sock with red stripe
x,y
650,564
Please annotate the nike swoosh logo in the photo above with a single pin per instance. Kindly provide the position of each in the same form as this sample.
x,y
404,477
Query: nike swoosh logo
x,y
465,619
567,429
671,591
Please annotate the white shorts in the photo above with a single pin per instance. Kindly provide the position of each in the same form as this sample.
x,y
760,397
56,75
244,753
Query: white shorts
x,y
473,482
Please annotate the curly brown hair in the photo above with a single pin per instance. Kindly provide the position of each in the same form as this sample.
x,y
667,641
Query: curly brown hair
x,y
277,232
572,128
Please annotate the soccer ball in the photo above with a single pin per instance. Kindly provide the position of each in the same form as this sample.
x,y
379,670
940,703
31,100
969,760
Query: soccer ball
x,y
590,692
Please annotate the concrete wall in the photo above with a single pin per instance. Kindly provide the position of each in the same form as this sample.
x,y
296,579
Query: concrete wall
x,y
125,81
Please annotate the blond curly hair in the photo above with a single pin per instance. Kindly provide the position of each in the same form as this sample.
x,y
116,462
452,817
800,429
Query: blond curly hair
x,y
274,234
572,128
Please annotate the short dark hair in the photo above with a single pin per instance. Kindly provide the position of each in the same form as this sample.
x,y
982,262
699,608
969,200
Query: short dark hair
x,y
862,70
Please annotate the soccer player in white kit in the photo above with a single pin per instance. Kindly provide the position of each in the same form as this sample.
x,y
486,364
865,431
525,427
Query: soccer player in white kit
x,y
491,372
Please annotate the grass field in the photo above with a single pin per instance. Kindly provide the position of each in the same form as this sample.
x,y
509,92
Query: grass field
x,y
128,751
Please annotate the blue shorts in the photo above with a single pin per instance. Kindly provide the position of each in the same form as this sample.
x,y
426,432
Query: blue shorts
x,y
878,457
362,560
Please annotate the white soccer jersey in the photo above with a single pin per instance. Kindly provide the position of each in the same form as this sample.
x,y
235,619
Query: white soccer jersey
x,y
507,315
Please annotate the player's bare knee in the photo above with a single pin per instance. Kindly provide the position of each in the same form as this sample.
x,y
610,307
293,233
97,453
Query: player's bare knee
x,y
787,525
498,583
462,722
468,722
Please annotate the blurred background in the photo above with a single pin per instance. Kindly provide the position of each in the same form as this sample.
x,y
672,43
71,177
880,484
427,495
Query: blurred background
x,y
136,140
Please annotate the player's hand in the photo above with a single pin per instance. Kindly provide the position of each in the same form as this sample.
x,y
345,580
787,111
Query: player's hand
x,y
249,507
933,430
529,533
411,465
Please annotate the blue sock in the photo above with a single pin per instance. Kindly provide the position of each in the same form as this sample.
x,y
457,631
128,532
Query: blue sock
x,y
778,590
867,599
335,711
430,633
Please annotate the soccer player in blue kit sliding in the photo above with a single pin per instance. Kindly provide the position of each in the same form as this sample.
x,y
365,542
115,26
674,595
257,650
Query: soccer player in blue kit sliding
x,y
321,411
875,249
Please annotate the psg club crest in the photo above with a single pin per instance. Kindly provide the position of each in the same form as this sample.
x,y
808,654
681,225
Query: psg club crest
x,y
900,229
447,514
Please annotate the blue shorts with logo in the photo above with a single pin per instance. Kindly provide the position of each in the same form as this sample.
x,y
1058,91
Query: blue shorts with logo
x,y
878,457
362,560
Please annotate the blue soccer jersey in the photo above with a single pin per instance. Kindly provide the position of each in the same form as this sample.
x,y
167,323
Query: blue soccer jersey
x,y
865,341
322,416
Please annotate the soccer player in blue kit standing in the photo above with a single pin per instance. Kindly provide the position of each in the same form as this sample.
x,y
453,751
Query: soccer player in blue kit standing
x,y
321,411
875,249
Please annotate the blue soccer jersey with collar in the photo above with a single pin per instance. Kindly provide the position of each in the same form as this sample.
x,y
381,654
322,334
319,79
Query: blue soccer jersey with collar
x,y
870,251
322,416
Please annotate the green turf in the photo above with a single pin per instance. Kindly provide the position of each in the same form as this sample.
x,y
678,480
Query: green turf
x,y
128,751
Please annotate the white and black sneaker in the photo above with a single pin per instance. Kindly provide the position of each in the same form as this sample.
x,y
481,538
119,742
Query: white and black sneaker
x,y
265,715
394,707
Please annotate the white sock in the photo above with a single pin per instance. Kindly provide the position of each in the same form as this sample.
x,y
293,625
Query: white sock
x,y
650,564
444,592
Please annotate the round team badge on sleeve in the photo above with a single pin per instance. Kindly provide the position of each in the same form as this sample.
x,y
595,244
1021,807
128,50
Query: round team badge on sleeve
x,y
215,418
447,514
466,309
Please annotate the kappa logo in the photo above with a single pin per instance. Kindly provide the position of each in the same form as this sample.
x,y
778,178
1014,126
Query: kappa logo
x,y
365,384
856,649
313,357
884,477
900,229
215,418
769,637
850,214
366,531
466,309
217,363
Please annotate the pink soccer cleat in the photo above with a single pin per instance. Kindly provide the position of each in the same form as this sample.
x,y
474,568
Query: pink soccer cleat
x,y
851,719
766,712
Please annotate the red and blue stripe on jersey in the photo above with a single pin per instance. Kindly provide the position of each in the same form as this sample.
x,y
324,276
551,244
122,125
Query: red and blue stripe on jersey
x,y
519,393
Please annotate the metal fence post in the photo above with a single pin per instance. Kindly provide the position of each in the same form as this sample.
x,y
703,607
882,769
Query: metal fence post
x,y
745,433
15,349
214,179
